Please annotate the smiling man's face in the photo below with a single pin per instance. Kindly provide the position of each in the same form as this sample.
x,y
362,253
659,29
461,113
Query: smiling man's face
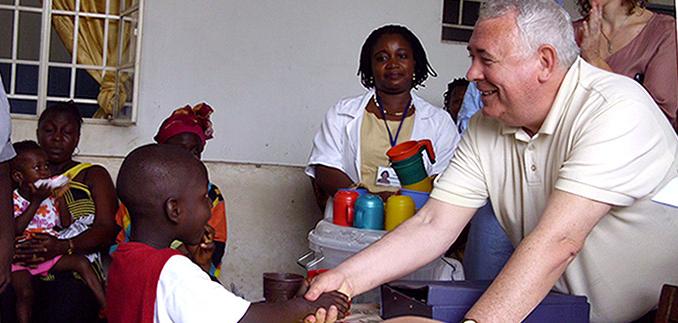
x,y
506,74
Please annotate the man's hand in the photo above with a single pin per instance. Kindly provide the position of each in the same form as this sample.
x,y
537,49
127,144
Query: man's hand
x,y
327,282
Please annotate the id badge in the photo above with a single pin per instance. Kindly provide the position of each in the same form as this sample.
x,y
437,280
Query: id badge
x,y
386,176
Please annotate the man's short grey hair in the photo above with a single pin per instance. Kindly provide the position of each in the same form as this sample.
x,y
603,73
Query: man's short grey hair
x,y
539,22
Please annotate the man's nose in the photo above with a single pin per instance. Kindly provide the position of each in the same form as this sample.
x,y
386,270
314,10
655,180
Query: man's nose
x,y
474,72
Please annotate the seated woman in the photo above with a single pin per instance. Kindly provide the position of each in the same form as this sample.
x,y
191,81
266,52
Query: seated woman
x,y
623,37
92,202
190,128
350,148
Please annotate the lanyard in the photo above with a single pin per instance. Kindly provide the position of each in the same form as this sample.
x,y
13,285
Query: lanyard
x,y
393,141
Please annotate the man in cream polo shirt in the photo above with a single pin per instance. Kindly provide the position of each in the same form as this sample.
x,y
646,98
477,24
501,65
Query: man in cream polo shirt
x,y
569,155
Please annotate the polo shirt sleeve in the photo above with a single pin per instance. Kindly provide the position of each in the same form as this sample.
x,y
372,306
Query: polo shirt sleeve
x,y
186,294
611,150
6,150
328,143
463,183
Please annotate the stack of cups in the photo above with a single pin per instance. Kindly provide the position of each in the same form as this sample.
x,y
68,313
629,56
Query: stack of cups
x,y
408,163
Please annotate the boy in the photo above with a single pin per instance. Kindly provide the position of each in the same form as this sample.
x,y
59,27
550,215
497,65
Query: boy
x,y
165,190
36,209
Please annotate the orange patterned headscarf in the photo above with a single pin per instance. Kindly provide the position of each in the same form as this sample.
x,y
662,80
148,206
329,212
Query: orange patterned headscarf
x,y
194,120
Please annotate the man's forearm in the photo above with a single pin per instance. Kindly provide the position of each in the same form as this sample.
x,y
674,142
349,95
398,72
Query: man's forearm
x,y
413,244
540,259
525,280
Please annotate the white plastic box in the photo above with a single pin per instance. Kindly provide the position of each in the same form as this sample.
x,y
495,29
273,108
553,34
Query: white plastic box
x,y
332,244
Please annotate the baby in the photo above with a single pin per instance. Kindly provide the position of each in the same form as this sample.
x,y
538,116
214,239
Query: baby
x,y
148,281
38,209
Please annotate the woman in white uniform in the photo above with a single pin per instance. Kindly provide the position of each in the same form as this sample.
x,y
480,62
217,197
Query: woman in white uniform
x,y
350,148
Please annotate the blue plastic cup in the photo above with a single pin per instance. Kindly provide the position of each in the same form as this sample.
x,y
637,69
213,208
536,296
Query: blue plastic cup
x,y
419,198
369,212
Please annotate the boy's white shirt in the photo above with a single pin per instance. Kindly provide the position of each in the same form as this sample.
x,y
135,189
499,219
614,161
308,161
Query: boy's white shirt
x,y
185,293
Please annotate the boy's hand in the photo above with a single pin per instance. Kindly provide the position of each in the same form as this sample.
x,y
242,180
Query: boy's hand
x,y
332,301
323,316
201,254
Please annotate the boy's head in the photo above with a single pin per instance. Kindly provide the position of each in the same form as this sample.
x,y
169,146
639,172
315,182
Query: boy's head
x,y
30,163
455,96
164,187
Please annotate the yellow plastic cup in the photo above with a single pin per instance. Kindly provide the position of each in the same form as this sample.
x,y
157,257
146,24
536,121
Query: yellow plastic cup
x,y
399,208
425,185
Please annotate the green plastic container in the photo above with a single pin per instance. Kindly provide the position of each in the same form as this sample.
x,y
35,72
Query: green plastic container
x,y
410,170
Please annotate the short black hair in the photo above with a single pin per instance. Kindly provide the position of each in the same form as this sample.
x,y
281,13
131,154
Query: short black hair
x,y
22,147
69,109
422,68
450,86
151,174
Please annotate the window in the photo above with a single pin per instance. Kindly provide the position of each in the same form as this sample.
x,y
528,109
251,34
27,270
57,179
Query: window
x,y
459,17
81,50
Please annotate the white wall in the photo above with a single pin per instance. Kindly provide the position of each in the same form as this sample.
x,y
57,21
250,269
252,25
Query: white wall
x,y
271,69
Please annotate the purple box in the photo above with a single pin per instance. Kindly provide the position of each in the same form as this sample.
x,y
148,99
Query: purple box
x,y
448,301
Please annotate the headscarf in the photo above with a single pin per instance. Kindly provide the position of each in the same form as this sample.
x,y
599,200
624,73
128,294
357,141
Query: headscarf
x,y
194,120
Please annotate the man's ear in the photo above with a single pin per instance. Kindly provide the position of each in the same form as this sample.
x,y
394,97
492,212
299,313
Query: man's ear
x,y
172,210
548,62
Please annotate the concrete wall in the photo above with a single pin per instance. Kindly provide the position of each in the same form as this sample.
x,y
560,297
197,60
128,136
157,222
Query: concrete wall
x,y
270,210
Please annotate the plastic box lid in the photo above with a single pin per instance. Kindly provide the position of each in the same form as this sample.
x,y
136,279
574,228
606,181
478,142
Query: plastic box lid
x,y
338,237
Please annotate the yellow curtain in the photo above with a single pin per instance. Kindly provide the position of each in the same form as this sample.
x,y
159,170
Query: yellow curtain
x,y
91,45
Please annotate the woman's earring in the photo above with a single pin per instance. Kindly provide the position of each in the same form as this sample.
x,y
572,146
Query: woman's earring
x,y
414,77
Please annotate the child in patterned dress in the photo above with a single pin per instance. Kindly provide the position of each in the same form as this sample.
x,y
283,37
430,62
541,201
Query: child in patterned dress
x,y
37,209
